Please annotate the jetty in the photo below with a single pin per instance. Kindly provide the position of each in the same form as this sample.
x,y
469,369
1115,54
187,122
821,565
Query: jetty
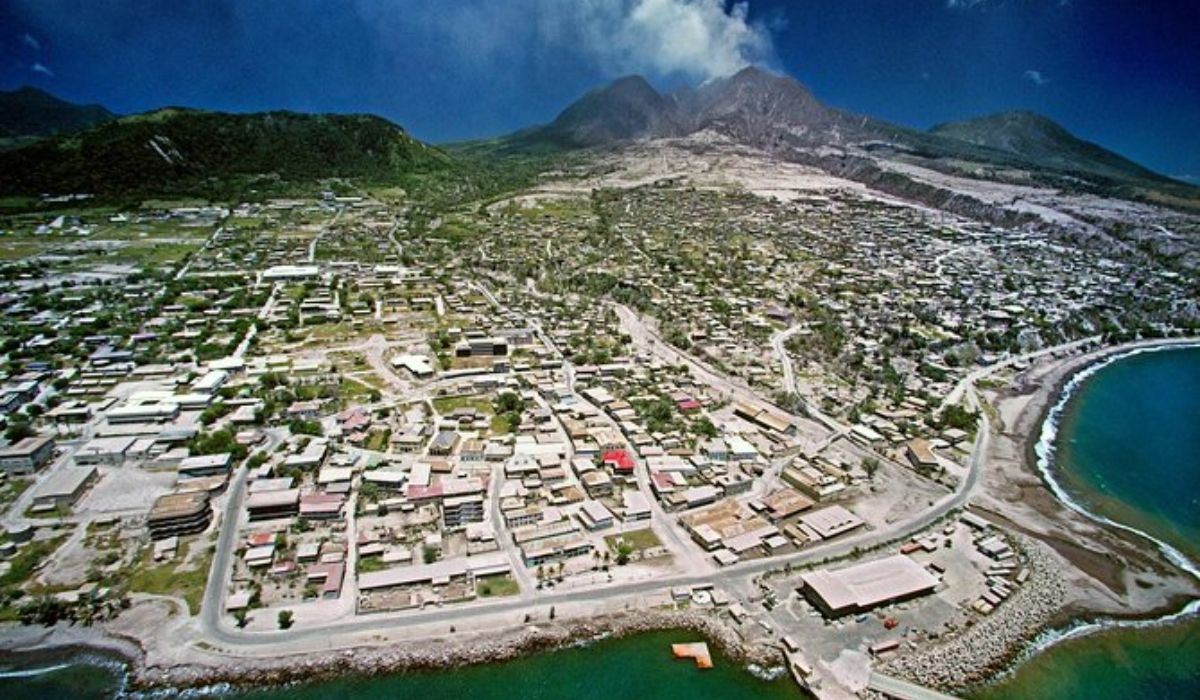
x,y
694,650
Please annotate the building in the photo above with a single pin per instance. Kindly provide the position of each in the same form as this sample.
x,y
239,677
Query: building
x,y
63,488
417,365
107,451
636,506
439,573
266,505
27,455
868,585
460,510
444,443
550,549
595,516
176,514
920,456
206,465
831,522
210,382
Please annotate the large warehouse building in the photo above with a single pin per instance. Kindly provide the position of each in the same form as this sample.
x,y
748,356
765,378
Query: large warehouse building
x,y
861,587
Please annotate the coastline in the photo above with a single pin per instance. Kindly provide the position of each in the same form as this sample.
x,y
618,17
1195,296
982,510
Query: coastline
x,y
452,652
1060,604
1075,622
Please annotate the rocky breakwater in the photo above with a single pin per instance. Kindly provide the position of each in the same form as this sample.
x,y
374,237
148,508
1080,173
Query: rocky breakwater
x,y
989,645
452,651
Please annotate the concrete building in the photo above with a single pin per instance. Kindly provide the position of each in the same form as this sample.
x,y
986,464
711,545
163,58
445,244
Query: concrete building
x,y
106,451
177,514
63,488
868,585
27,455
460,510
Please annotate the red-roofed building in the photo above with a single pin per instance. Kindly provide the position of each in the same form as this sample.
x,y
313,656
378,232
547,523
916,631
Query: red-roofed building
x,y
688,405
619,460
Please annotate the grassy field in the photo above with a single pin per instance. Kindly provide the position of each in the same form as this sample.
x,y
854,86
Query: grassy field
x,y
367,565
15,248
449,404
640,540
170,579
496,586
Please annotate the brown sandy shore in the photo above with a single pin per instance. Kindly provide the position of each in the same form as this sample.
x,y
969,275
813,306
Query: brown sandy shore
x,y
1081,570
372,660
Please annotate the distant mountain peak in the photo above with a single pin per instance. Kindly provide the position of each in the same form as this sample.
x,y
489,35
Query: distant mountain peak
x,y
1042,141
30,112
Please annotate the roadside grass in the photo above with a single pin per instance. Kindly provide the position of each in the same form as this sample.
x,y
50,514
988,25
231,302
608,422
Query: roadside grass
x,y
11,489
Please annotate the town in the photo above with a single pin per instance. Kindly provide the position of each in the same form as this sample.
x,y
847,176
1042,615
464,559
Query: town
x,y
344,409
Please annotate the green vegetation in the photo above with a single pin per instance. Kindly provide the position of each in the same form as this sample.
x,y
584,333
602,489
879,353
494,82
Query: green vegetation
x,y
27,559
214,154
448,404
626,544
174,578
496,586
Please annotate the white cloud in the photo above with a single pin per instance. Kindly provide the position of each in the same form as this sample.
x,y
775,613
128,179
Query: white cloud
x,y
1035,77
43,69
698,39
31,41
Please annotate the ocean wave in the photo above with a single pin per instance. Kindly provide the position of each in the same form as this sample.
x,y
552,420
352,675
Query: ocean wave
x,y
32,672
1044,449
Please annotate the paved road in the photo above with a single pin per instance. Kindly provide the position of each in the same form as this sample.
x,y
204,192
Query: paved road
x,y
211,606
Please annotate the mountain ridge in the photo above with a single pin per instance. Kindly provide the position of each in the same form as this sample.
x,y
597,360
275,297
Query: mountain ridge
x,y
779,114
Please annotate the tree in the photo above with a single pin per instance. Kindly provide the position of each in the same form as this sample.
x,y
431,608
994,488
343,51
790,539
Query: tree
x,y
285,619
870,466
19,430
624,549
241,617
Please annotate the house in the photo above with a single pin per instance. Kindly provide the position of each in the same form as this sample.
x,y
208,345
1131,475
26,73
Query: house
x,y
595,516
444,443
619,461
920,456
304,410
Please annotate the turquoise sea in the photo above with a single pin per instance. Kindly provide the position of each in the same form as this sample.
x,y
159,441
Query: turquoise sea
x,y
1128,449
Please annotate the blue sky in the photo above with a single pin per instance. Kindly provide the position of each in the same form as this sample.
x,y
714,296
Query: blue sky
x,y
1122,73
